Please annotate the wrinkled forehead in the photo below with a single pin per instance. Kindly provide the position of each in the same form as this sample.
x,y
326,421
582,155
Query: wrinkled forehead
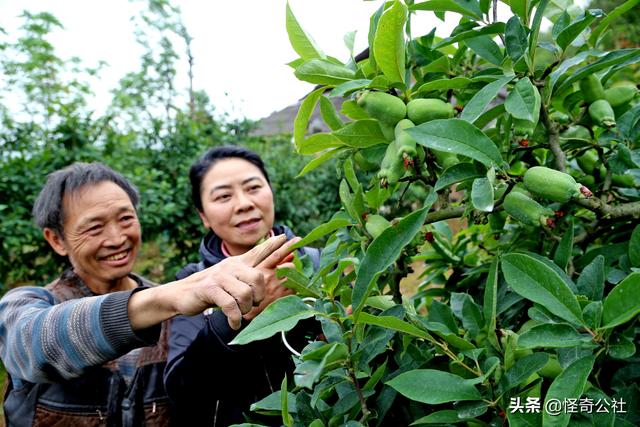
x,y
99,199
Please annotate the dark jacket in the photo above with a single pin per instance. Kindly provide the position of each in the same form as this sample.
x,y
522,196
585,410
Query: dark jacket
x,y
101,374
212,383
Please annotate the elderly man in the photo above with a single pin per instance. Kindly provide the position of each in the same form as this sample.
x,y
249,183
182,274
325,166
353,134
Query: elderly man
x,y
90,347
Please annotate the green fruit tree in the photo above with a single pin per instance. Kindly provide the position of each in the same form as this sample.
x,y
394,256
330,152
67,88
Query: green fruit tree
x,y
495,173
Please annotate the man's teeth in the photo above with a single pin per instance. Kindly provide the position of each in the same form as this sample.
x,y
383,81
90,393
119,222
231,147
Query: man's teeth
x,y
116,257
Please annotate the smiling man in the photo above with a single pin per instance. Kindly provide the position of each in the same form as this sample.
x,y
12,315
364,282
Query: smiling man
x,y
90,347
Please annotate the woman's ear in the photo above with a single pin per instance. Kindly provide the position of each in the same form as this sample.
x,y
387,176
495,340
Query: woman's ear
x,y
56,241
205,222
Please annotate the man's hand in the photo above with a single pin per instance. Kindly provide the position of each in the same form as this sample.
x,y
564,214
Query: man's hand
x,y
234,285
273,286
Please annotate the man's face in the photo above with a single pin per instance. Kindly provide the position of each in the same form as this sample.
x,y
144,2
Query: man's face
x,y
237,203
101,234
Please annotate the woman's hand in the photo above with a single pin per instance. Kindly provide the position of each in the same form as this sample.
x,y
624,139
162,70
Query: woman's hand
x,y
273,288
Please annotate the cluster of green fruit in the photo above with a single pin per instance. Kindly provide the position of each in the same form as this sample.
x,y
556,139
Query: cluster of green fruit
x,y
548,184
395,117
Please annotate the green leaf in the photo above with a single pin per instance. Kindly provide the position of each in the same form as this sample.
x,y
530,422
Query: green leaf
x,y
392,323
552,335
287,419
297,282
591,280
446,416
301,42
495,28
561,70
324,157
458,173
519,8
322,230
349,86
281,315
476,106
535,29
444,84
592,314
361,134
329,114
389,44
565,248
515,38
433,387
459,137
486,49
634,247
468,312
470,9
522,370
304,114
615,13
442,314
323,72
352,110
622,303
482,195
273,402
523,102
574,29
568,385
315,362
318,142
490,302
384,250
608,60
561,23
539,283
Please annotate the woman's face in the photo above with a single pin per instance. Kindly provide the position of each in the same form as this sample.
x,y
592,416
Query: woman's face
x,y
237,203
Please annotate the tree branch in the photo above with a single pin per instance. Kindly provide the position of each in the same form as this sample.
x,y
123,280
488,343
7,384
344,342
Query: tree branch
x,y
623,210
448,213
554,140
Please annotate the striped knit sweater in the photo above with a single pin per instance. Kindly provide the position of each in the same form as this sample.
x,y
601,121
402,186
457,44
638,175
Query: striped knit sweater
x,y
47,337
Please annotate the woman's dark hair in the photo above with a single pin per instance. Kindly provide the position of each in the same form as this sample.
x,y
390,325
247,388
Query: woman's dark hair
x,y
201,166
48,211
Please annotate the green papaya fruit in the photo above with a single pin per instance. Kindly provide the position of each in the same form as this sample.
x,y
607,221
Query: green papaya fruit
x,y
426,109
385,107
387,131
528,211
587,161
406,143
620,95
518,168
376,224
554,185
559,117
392,166
445,160
523,128
591,88
552,368
623,181
369,159
602,114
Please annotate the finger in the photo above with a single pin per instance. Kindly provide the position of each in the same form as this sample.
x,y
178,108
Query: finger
x,y
228,305
241,292
259,253
286,265
286,260
254,279
280,255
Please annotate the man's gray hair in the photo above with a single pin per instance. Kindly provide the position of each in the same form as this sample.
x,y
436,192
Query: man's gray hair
x,y
48,211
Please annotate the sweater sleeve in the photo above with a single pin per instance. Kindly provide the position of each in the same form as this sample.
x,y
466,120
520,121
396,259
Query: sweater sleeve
x,y
41,341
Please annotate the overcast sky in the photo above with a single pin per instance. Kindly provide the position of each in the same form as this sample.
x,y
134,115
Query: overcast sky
x,y
240,46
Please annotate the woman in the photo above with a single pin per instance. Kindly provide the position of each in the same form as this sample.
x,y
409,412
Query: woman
x,y
233,196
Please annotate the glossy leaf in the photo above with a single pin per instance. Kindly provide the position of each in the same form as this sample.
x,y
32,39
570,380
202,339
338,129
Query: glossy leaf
x,y
324,157
392,323
329,114
326,357
523,102
490,302
459,137
623,302
568,385
491,29
318,142
304,114
634,247
323,72
281,315
482,195
458,173
389,44
573,30
433,387
384,250
350,86
470,8
515,38
535,29
552,335
476,106
615,13
322,230
539,283
486,48
273,402
361,134
352,110
444,84
565,248
446,416
591,280
522,370
301,42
